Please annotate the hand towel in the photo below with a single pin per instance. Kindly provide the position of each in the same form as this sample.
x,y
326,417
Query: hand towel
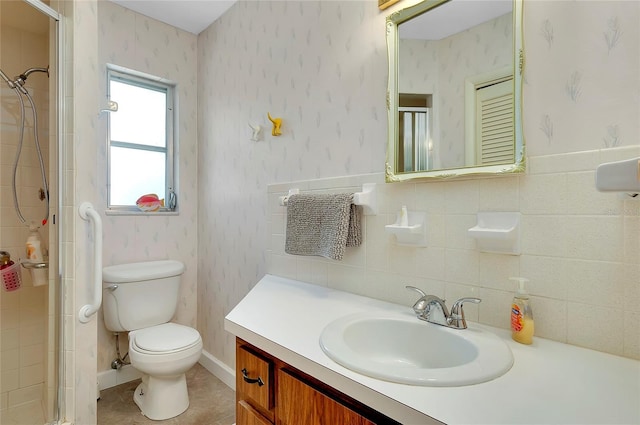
x,y
322,225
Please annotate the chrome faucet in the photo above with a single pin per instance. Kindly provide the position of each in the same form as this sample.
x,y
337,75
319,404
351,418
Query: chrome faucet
x,y
433,309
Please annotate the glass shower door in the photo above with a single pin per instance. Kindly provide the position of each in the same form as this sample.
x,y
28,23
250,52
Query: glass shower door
x,y
30,309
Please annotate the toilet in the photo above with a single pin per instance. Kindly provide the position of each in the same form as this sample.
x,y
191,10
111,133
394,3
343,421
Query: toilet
x,y
142,298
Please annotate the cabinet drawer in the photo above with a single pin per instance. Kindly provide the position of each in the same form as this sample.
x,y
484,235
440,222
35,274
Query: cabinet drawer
x,y
247,415
254,379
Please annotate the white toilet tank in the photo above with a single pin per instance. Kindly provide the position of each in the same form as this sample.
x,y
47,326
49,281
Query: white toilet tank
x,y
140,295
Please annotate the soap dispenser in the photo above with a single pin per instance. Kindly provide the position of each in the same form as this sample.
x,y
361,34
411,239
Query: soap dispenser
x,y
521,315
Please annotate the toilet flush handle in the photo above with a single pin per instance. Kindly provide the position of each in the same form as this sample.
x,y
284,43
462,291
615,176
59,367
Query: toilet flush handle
x,y
112,287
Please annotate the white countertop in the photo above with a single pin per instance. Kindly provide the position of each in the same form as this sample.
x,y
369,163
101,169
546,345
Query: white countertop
x,y
549,383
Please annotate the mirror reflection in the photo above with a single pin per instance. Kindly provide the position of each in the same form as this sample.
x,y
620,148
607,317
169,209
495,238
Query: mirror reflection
x,y
452,89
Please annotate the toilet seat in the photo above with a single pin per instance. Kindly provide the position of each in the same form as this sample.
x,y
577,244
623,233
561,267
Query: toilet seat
x,y
164,339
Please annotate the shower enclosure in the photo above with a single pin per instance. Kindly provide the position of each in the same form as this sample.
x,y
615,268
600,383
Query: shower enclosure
x,y
30,125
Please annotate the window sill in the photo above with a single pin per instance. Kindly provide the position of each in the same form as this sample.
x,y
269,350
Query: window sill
x,y
141,213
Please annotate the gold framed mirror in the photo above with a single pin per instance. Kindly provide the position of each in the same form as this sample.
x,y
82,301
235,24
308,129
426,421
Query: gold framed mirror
x,y
454,96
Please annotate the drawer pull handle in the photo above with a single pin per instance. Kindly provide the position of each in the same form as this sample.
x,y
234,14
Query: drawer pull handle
x,y
248,380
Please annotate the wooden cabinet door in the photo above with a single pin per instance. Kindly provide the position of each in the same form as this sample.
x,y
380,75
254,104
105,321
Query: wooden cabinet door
x,y
297,403
247,415
253,377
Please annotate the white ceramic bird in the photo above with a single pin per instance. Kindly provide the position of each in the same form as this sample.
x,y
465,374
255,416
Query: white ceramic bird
x,y
256,132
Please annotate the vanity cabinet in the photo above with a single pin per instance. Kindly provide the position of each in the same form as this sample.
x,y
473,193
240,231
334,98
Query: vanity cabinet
x,y
271,392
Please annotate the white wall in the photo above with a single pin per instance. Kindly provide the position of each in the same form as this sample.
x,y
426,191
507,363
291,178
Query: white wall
x,y
322,67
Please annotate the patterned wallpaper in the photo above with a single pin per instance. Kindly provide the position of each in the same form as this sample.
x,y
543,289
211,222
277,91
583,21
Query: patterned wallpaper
x,y
322,67
128,39
581,82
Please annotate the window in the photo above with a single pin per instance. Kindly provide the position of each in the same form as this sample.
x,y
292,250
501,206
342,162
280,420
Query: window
x,y
141,140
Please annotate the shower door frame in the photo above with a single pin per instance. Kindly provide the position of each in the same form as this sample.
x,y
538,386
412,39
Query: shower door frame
x,y
57,17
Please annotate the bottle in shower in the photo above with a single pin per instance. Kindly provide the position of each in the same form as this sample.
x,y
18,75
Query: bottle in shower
x,y
35,255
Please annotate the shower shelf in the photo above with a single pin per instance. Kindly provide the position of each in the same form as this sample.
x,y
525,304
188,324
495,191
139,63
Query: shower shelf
x,y
28,265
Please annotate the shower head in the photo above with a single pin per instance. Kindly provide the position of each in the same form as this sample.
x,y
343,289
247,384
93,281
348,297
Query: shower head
x,y
22,78
32,70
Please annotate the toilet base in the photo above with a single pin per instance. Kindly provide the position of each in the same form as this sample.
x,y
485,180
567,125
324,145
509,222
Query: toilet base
x,y
162,397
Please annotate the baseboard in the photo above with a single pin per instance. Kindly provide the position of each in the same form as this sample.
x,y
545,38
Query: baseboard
x,y
111,378
218,369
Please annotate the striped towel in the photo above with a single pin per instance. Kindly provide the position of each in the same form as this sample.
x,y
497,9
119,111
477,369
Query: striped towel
x,y
322,225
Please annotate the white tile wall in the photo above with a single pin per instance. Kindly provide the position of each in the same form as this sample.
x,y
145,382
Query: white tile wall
x,y
584,288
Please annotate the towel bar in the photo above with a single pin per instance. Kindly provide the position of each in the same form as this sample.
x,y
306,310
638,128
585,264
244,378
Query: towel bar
x,y
367,198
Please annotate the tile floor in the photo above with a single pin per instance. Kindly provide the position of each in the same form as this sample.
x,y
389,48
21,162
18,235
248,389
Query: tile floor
x,y
211,402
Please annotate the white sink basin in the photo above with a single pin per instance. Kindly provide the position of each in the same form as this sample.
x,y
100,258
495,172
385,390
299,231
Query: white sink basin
x,y
400,348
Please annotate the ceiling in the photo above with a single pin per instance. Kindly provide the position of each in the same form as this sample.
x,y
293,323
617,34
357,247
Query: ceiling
x,y
193,16
453,17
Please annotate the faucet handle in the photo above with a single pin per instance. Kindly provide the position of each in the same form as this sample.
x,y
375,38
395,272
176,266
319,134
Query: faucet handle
x,y
456,318
424,305
418,290
420,306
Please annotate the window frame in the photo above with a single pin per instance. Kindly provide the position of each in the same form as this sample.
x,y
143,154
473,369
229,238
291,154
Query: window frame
x,y
142,80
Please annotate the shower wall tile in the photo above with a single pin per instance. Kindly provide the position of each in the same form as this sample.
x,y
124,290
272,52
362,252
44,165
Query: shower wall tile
x,y
10,359
25,395
31,375
24,312
10,380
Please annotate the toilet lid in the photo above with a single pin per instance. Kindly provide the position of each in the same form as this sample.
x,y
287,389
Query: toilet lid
x,y
165,338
